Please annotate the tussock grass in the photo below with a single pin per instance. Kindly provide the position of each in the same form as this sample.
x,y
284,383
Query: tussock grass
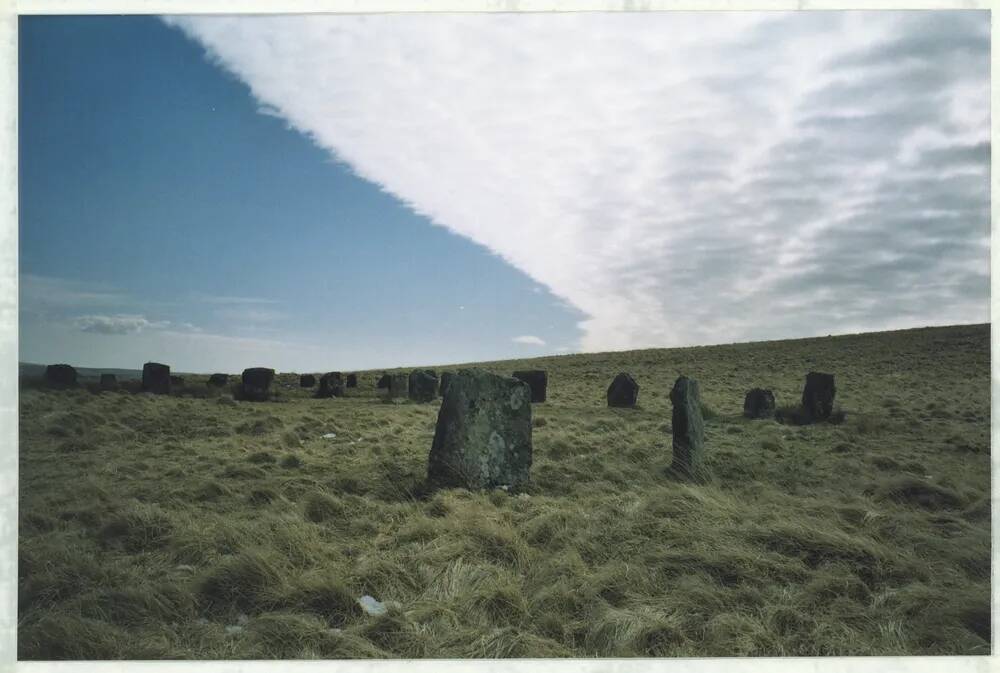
x,y
198,526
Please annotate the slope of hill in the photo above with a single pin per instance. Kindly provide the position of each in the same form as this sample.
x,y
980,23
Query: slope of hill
x,y
191,526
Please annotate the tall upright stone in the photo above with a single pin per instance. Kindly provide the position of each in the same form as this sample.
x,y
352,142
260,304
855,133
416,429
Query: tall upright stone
x,y
109,382
399,386
383,381
483,434
256,384
623,391
818,396
352,381
537,380
331,384
218,380
60,376
688,427
307,381
758,403
422,385
156,378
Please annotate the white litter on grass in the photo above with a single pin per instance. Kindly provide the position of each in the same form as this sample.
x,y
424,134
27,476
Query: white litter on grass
x,y
242,619
330,435
233,630
372,606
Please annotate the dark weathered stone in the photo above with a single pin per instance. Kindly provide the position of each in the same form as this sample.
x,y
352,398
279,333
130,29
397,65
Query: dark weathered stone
x,y
423,385
759,403
176,380
331,384
352,381
537,380
818,395
218,380
688,427
256,384
156,378
623,391
307,381
109,382
399,386
60,376
446,378
483,433
383,381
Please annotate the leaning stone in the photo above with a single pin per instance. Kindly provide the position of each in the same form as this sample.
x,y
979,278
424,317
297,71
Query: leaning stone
x,y
352,380
623,391
331,384
537,380
483,433
256,384
688,427
422,385
60,376
383,381
818,395
218,380
109,382
156,378
759,403
399,386
307,381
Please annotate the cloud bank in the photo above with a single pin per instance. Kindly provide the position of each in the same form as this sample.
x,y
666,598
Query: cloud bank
x,y
679,177
116,324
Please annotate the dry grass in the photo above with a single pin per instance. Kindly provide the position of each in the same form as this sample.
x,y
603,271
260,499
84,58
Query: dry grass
x,y
191,527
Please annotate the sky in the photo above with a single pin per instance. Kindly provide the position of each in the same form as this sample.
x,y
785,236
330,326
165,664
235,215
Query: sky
x,y
360,191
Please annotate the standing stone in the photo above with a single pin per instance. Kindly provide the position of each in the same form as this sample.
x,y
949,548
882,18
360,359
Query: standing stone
x,y
688,427
218,380
109,382
60,376
383,381
537,380
156,378
352,380
307,381
256,384
423,385
399,386
331,384
483,433
817,396
623,391
446,378
759,403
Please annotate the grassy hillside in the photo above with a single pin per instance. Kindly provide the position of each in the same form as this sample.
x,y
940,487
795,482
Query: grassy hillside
x,y
191,526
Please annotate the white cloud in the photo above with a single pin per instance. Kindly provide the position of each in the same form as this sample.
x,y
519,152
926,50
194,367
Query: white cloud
x,y
678,177
228,299
45,292
116,324
529,340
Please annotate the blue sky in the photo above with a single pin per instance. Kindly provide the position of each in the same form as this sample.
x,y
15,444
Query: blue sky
x,y
340,192
153,190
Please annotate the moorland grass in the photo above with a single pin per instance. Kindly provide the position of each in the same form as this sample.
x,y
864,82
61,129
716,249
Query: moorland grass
x,y
197,526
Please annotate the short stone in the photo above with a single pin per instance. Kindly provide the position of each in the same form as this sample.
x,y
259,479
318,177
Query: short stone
x,y
352,381
623,391
156,378
422,385
60,376
256,384
759,403
537,380
176,381
818,396
218,380
331,384
307,381
383,382
399,386
109,382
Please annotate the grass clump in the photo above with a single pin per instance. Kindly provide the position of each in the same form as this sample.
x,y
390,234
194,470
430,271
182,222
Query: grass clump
x,y
322,507
243,581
